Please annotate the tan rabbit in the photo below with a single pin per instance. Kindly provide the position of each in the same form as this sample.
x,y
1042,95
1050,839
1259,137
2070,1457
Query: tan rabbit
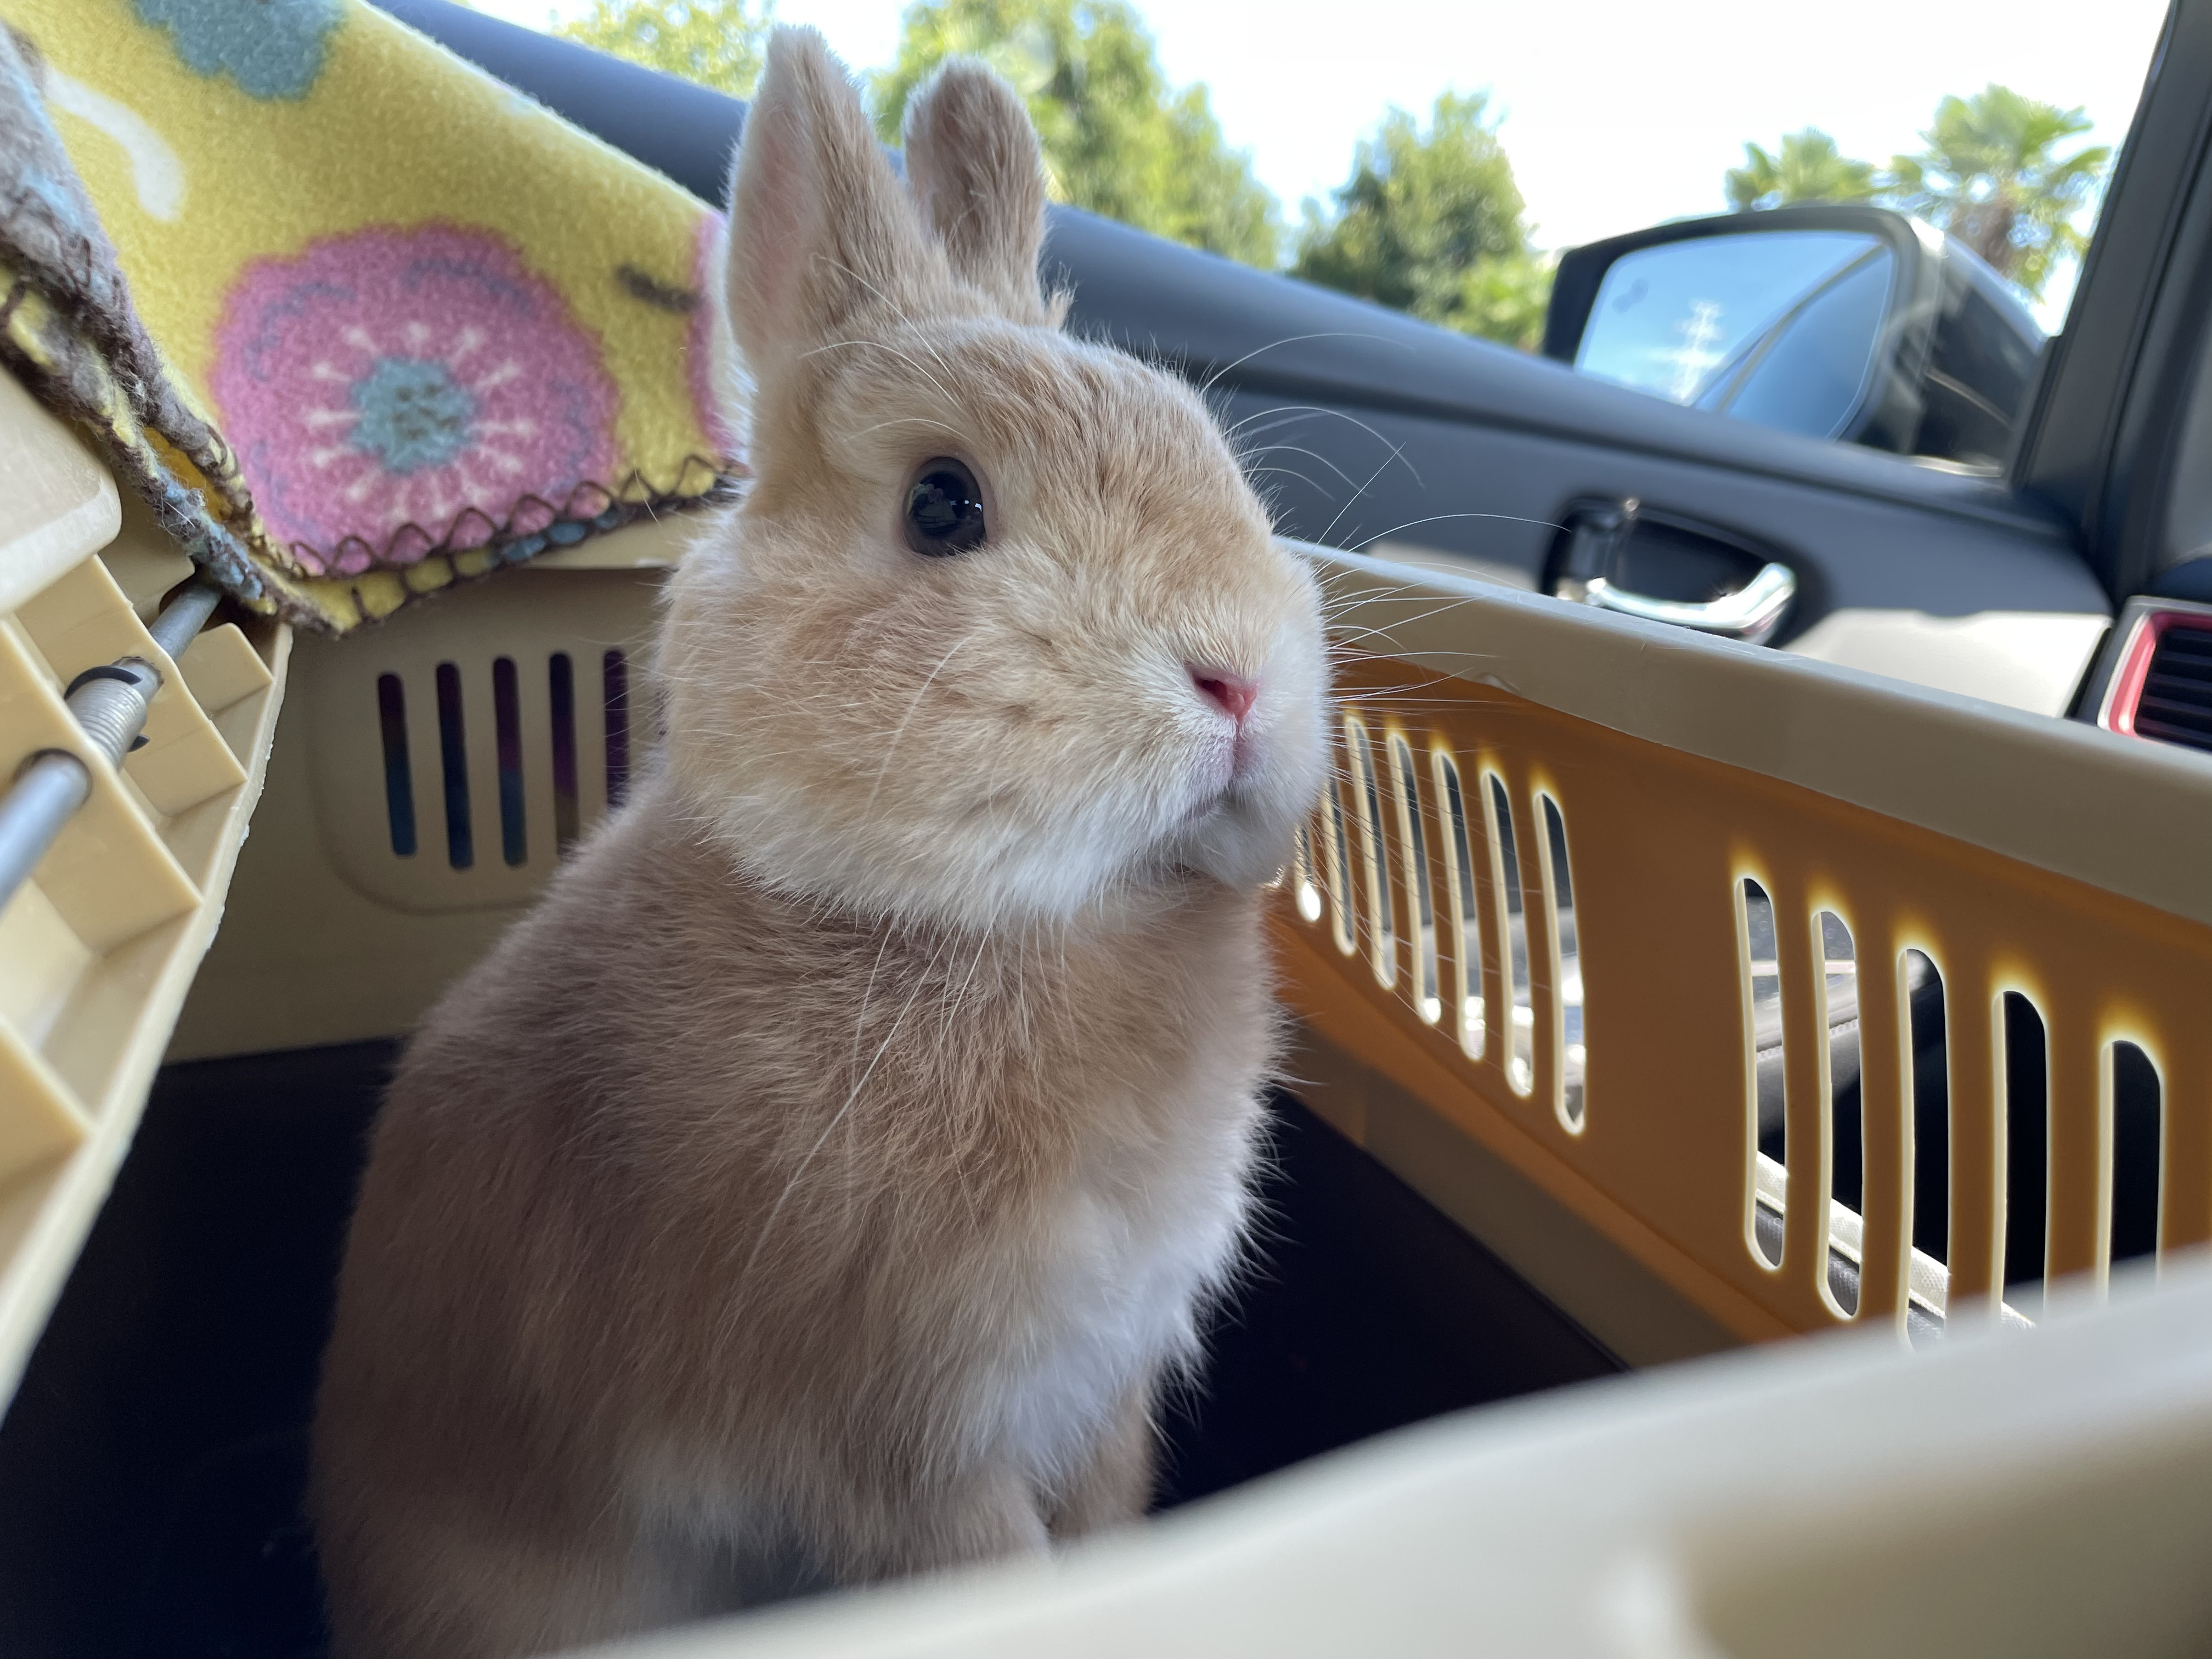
x,y
818,1185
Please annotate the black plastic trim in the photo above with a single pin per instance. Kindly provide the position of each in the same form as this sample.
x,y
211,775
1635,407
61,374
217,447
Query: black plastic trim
x,y
2094,443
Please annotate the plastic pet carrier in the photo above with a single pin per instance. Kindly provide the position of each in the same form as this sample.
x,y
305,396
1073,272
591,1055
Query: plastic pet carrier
x,y
1655,996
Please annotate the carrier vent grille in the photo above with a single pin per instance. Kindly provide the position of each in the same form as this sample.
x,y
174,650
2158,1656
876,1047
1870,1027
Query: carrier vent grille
x,y
528,755
1444,878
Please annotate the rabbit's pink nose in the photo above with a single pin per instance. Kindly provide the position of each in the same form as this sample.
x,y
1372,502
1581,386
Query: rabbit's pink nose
x,y
1232,694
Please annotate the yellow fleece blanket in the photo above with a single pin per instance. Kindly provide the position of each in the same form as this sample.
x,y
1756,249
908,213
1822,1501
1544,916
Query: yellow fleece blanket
x,y
432,328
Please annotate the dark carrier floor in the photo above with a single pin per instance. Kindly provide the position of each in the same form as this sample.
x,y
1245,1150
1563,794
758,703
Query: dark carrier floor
x,y
151,1464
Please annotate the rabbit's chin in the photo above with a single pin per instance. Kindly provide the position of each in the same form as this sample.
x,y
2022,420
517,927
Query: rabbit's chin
x,y
1236,844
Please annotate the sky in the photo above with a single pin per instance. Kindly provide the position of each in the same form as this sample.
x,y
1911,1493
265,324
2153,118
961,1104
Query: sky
x,y
1617,113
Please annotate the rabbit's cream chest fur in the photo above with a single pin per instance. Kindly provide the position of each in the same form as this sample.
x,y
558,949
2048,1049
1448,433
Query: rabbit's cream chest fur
x,y
821,1183
1123,1254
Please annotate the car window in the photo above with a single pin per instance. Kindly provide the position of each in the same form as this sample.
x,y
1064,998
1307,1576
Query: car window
x,y
1980,376
1457,168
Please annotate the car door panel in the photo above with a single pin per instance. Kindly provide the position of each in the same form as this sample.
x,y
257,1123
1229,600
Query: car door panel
x,y
1964,604
1368,428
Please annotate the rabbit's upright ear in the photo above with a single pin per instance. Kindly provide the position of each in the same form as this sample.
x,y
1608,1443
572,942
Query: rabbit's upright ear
x,y
819,228
972,160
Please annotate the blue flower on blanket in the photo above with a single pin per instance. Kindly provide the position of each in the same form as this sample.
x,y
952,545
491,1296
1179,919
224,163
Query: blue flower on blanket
x,y
271,48
414,412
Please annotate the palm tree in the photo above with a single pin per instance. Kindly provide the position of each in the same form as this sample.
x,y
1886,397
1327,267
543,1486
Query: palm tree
x,y
1989,177
1810,169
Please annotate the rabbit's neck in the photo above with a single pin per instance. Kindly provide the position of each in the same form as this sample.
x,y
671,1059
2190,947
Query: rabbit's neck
x,y
1149,1009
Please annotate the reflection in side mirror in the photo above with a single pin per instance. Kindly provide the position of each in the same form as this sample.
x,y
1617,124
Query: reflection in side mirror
x,y
1781,329
1839,322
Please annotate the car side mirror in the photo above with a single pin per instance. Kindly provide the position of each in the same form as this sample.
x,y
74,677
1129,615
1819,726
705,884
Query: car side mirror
x,y
1813,320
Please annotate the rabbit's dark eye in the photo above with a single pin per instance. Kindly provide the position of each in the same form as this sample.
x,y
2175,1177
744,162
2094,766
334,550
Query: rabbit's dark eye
x,y
943,509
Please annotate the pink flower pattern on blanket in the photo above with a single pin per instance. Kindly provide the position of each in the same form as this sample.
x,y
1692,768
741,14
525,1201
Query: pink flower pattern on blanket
x,y
392,391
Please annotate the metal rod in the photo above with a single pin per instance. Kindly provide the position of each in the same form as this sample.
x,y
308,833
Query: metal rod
x,y
109,702
44,796
183,617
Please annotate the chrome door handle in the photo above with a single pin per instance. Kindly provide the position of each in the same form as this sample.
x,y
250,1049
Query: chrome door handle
x,y
1751,614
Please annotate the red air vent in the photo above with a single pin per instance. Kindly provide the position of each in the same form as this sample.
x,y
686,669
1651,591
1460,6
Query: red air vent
x,y
2162,688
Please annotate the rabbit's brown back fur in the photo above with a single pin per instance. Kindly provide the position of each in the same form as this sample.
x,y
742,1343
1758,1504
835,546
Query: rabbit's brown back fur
x,y
818,1185
803,1292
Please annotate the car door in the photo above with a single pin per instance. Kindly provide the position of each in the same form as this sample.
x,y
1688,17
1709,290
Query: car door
x,y
1370,430
1367,429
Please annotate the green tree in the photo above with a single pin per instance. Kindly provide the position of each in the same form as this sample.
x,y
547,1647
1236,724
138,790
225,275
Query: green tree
x,y
1505,300
1991,176
717,43
1807,167
1431,222
1118,140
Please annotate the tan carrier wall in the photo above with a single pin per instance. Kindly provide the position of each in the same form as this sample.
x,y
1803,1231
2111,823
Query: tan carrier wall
x,y
334,934
2021,855
1677,766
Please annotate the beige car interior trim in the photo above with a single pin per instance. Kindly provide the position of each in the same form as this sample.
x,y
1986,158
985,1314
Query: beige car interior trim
x,y
2025,660
2030,660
